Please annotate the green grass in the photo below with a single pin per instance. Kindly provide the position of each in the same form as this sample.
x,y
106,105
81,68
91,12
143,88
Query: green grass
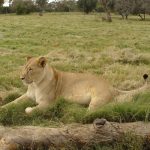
x,y
79,43
63,112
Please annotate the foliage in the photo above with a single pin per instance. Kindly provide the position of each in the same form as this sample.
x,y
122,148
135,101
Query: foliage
x,y
41,3
108,3
99,8
108,6
1,2
5,10
23,6
123,7
137,7
87,5
141,7
62,6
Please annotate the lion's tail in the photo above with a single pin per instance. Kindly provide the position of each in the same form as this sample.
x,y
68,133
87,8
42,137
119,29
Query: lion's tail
x,y
135,91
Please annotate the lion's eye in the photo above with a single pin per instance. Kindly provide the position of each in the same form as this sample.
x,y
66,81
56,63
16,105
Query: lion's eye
x,y
30,69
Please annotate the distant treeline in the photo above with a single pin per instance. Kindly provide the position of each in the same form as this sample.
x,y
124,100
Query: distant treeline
x,y
122,7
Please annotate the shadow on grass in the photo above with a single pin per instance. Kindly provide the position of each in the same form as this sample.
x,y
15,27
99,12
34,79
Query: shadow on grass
x,y
66,112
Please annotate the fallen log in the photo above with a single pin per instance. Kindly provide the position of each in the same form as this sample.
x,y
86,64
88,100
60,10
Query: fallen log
x,y
74,135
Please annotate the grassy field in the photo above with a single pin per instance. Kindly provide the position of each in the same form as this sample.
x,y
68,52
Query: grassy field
x,y
79,43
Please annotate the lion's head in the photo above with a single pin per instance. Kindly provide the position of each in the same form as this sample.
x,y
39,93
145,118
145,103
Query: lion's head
x,y
33,71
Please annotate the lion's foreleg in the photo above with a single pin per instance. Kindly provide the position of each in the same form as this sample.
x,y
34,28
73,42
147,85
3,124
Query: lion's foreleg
x,y
40,106
19,99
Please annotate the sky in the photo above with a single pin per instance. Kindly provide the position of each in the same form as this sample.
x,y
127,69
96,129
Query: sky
x,y
6,2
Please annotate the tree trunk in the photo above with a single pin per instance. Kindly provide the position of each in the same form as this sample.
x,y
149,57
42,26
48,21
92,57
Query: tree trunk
x,y
75,135
141,17
144,15
126,17
122,16
108,16
107,11
40,11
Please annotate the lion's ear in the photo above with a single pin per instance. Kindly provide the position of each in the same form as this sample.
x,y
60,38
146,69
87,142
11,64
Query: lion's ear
x,y
42,61
28,58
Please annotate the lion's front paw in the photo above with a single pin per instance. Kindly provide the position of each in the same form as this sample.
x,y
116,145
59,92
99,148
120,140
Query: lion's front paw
x,y
28,110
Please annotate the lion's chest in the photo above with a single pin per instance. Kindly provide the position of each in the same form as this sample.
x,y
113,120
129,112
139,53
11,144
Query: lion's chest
x,y
43,95
35,94
31,95
40,96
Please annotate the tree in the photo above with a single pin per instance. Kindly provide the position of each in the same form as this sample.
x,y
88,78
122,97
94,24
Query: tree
x,y
67,5
141,7
61,6
147,6
41,4
87,5
124,136
1,2
107,5
136,7
123,7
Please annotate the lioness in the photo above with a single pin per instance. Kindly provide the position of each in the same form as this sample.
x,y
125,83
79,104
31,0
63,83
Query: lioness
x,y
46,84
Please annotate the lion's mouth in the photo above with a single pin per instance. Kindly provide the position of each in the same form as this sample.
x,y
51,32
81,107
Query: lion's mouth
x,y
27,82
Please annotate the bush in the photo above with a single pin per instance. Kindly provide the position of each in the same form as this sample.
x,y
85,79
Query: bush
x,y
87,5
4,10
23,6
140,7
99,8
123,7
62,6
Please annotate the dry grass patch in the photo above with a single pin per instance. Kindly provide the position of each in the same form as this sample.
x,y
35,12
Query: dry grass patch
x,y
123,67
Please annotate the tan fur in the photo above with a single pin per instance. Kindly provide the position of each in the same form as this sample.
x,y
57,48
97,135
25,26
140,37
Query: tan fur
x,y
46,84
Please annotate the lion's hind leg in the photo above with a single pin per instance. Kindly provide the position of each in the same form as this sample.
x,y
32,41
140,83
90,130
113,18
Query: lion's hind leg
x,y
95,103
98,101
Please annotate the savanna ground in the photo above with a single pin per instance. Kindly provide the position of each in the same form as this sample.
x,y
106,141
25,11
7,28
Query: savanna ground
x,y
75,42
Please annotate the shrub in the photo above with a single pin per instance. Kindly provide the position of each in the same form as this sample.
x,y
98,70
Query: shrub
x,y
23,6
87,5
4,10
